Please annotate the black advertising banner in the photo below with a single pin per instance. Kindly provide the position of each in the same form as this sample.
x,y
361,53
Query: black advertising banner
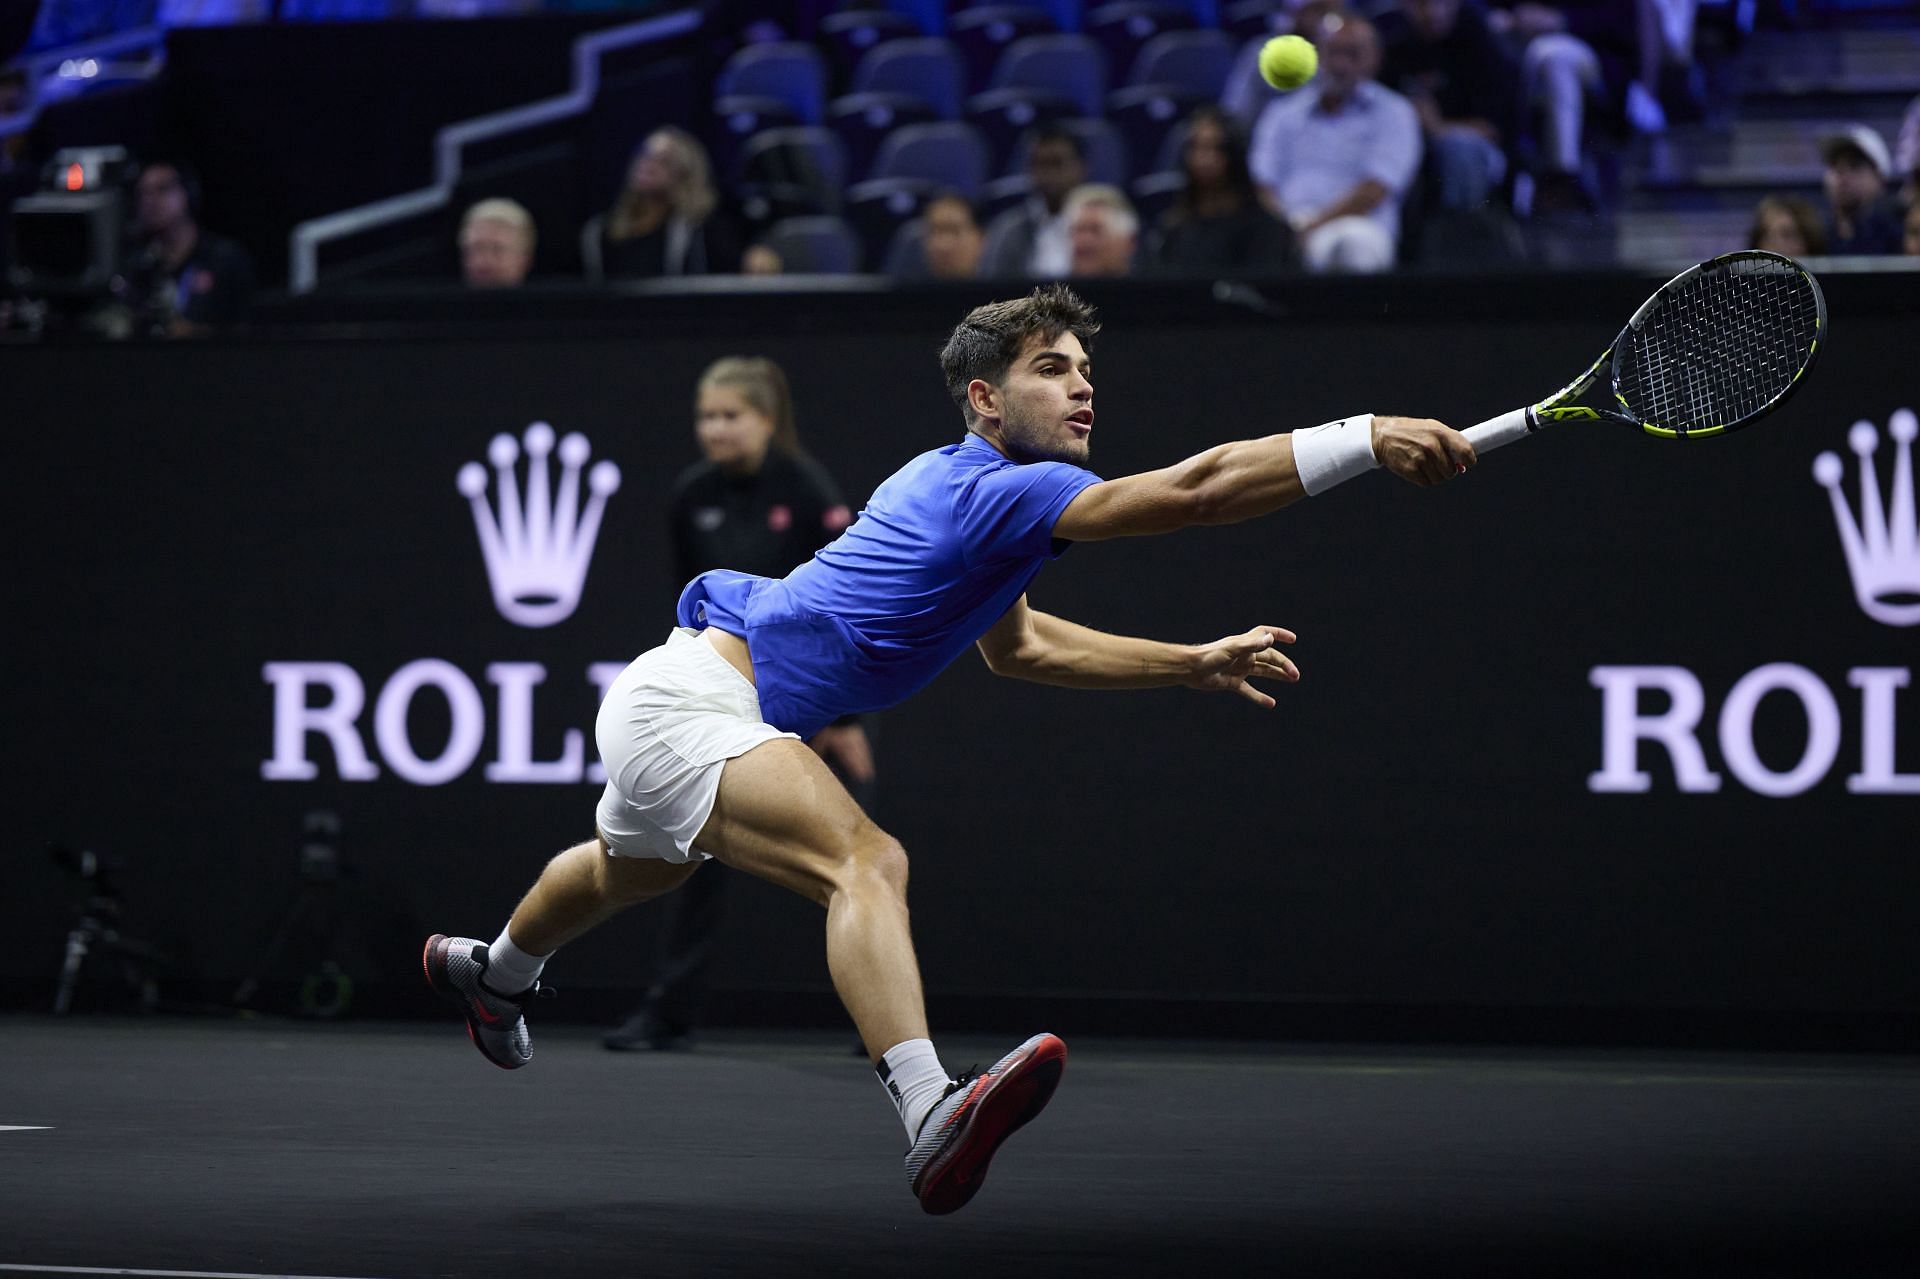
x,y
1609,722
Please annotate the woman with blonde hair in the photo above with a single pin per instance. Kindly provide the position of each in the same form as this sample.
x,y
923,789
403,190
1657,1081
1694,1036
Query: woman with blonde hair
x,y
757,503
667,221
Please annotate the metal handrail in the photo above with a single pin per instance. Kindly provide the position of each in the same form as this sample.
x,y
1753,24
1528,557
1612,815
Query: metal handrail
x,y
449,142
38,65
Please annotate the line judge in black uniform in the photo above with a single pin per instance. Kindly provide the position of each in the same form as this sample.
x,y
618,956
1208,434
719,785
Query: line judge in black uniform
x,y
757,504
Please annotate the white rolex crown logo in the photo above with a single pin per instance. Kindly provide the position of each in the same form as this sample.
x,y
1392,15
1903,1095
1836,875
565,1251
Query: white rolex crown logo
x,y
537,550
1883,546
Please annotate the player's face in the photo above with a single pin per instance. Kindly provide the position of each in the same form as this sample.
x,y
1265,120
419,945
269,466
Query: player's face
x,y
1047,401
732,433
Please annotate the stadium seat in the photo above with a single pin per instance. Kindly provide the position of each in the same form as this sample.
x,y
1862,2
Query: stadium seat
x,y
1105,148
1154,194
737,118
927,69
815,246
790,172
983,34
851,35
1123,27
1145,114
946,153
906,257
1003,115
929,15
808,148
1064,14
878,207
1069,66
788,72
1002,194
1245,19
863,120
1186,61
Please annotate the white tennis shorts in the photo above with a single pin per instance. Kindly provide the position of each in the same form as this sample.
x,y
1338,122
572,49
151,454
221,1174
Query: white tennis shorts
x,y
668,725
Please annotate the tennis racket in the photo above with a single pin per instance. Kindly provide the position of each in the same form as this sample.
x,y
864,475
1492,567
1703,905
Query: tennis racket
x,y
1716,348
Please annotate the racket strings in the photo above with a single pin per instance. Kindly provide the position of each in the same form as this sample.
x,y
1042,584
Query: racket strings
x,y
1722,347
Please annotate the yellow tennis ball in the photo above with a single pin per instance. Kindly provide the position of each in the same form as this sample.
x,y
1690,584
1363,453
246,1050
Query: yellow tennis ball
x,y
1287,62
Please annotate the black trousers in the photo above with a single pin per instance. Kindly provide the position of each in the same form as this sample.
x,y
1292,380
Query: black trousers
x,y
690,935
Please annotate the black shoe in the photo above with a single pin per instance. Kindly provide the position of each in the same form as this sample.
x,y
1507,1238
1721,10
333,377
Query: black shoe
x,y
646,1030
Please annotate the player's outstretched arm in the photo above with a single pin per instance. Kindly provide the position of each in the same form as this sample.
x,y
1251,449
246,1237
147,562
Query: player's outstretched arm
x,y
1238,481
1030,645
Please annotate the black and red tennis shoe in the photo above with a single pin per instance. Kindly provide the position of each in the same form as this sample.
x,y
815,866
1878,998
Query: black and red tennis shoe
x,y
456,967
948,1160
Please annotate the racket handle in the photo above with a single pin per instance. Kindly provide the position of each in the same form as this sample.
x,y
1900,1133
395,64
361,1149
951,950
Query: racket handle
x,y
1496,432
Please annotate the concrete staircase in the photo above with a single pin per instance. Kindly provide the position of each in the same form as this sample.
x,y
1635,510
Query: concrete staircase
x,y
1690,193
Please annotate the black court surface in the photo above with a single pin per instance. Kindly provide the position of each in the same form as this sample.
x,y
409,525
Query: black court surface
x,y
380,1152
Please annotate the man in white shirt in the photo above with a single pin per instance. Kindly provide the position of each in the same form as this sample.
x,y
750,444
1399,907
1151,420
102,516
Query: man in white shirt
x,y
1336,157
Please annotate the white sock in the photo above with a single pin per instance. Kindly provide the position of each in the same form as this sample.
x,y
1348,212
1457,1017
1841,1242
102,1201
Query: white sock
x,y
915,1079
511,970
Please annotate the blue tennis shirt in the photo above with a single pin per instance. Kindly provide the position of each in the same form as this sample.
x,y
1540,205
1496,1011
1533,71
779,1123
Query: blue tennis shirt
x,y
941,552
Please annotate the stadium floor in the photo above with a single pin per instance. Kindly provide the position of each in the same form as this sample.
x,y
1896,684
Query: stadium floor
x,y
383,1151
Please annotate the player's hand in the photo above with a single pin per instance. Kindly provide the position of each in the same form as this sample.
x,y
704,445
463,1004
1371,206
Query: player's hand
x,y
1420,449
1226,665
846,746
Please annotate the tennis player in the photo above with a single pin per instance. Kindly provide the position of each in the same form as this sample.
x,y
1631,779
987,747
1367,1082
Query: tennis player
x,y
704,737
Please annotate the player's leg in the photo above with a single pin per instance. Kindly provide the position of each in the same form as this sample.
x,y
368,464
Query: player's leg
x,y
493,982
782,815
584,887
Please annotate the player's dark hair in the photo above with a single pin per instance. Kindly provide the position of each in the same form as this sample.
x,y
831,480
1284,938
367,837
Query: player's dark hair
x,y
990,339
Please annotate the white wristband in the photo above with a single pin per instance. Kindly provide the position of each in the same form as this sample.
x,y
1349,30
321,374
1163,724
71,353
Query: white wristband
x,y
1326,455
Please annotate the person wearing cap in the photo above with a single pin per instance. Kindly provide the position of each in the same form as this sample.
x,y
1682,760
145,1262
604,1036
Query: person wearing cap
x,y
1861,218
1906,156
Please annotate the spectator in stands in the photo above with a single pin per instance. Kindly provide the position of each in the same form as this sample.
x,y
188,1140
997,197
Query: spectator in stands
x,y
13,100
1787,224
1031,239
667,221
1217,224
1561,67
1102,229
1663,42
1335,158
762,258
1906,155
181,280
951,242
1442,57
497,239
1861,215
